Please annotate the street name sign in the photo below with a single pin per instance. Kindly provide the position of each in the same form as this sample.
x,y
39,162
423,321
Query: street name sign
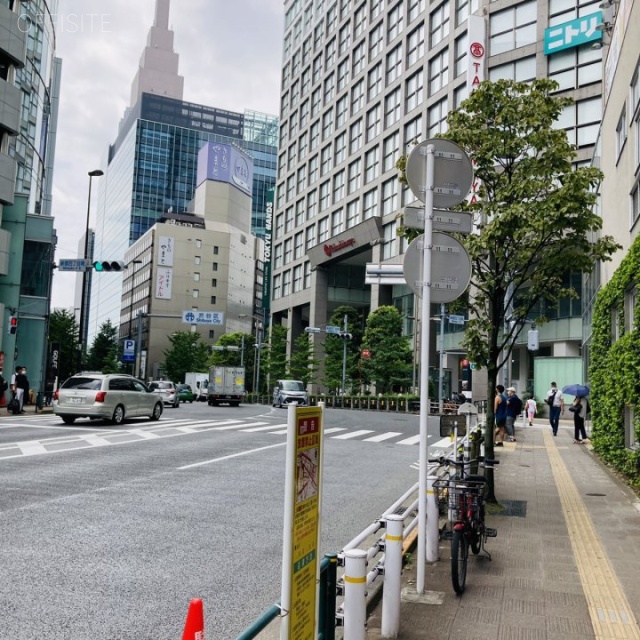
x,y
203,317
73,264
456,319
332,329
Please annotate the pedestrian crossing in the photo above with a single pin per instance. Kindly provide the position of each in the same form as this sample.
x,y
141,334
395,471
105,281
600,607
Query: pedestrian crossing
x,y
84,435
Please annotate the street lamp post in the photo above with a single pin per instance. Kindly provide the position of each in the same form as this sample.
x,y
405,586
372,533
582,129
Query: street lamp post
x,y
130,332
84,298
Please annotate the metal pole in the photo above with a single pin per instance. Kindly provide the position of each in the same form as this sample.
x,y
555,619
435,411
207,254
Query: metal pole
x,y
242,352
424,363
443,311
139,344
390,624
355,594
344,354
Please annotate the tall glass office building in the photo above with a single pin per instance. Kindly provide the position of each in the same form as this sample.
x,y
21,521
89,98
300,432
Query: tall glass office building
x,y
362,80
151,167
29,90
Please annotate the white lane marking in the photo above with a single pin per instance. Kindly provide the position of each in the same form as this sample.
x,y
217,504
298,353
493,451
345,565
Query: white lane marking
x,y
383,436
334,430
95,440
352,434
254,429
281,432
230,456
32,448
145,435
238,426
411,440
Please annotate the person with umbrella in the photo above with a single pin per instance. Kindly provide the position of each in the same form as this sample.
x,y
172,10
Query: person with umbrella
x,y
579,410
556,407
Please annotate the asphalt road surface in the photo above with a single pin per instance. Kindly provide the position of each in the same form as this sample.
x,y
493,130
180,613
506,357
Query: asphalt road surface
x,y
108,532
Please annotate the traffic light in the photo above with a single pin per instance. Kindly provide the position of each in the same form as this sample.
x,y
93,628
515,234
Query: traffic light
x,y
13,324
108,265
346,336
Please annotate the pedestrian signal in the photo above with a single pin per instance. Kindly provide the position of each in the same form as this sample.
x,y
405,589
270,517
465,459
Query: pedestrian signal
x,y
13,325
109,265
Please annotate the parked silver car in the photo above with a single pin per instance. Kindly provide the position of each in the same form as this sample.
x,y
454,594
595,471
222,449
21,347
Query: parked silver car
x,y
112,397
167,390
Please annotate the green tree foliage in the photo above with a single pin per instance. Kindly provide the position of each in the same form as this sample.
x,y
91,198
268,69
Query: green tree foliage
x,y
535,213
303,363
188,352
334,350
103,354
389,366
64,330
274,357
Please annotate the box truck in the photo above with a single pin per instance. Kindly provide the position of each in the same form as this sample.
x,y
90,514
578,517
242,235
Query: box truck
x,y
199,383
226,384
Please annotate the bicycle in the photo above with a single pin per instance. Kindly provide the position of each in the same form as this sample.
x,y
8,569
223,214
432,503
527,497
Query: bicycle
x,y
464,498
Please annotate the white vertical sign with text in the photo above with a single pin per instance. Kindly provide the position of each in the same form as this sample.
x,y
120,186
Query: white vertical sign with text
x,y
164,280
166,247
476,72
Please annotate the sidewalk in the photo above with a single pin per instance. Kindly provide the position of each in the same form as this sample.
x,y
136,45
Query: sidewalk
x,y
565,563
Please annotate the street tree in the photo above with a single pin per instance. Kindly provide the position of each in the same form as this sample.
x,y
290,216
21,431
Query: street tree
x,y
274,357
64,330
334,350
303,362
188,352
389,365
534,213
103,354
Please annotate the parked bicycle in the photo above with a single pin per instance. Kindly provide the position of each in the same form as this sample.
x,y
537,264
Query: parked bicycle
x,y
463,495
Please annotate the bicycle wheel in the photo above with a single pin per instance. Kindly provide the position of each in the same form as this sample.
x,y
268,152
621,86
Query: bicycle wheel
x,y
475,540
459,557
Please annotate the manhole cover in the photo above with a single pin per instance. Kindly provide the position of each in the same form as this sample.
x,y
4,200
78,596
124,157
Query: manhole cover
x,y
516,508
603,495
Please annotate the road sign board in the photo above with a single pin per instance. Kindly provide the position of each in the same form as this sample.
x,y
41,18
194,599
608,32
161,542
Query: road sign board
x,y
456,319
73,264
453,173
203,317
129,351
450,268
332,329
448,221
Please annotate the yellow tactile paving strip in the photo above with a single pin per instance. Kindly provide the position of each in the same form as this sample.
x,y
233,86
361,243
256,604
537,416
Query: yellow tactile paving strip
x,y
611,615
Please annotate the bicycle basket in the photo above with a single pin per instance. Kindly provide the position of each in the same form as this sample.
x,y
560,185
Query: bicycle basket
x,y
460,497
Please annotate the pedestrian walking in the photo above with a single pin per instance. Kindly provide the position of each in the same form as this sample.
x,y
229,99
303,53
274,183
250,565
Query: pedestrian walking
x,y
514,409
22,386
531,409
500,414
579,410
556,406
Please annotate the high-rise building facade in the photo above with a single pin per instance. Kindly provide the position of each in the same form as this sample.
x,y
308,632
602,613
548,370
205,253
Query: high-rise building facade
x,y
362,81
29,89
151,167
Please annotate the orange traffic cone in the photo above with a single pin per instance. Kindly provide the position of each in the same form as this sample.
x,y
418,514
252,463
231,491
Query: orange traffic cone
x,y
194,626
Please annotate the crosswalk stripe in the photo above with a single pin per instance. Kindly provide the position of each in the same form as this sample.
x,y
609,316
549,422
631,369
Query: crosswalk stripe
x,y
352,434
383,436
411,440
267,428
334,430
238,426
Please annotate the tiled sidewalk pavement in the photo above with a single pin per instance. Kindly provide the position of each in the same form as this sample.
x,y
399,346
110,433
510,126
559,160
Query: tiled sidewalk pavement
x,y
536,587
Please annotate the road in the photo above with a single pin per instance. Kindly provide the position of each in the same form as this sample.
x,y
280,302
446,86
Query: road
x,y
109,532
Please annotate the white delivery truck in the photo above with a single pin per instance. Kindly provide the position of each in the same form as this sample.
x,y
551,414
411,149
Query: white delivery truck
x,y
199,383
226,384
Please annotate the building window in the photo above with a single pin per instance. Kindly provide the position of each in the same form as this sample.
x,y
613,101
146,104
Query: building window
x,y
635,204
312,204
330,53
357,97
630,305
437,122
395,22
344,39
197,259
298,245
376,41
310,239
574,68
317,68
323,229
439,23
342,111
329,88
277,287
438,71
307,275
355,136
337,222
196,277
415,46
214,282
314,170
621,132
394,64
370,203
302,179
279,225
340,148
212,334
314,132
198,244
325,193
523,70
412,132
390,248
414,92
371,165
288,219
460,52
288,251
343,74
359,58
389,196
353,213
416,9
327,123
464,8
214,266
300,212
277,256
355,176
360,20
297,278
316,101
325,160
195,293
390,151
512,28
214,299
374,122
392,107
338,187
374,81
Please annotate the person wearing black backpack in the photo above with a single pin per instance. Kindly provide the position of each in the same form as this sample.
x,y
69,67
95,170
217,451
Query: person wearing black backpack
x,y
514,409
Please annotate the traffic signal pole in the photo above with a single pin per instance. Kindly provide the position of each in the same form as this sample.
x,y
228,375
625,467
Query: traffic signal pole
x,y
344,353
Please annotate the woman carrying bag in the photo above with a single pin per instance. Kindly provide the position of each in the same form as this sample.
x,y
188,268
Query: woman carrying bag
x,y
579,410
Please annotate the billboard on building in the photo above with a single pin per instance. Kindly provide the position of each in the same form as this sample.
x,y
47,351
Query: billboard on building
x,y
166,246
164,281
477,54
573,33
225,163
268,230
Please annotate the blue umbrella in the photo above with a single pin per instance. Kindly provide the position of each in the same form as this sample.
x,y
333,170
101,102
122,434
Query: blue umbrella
x,y
580,390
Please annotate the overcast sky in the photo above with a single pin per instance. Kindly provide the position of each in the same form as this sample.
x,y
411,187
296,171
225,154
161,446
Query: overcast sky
x,y
230,56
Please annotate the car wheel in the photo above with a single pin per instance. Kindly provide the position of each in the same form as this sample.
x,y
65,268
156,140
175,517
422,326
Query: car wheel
x,y
157,412
68,419
118,415
177,405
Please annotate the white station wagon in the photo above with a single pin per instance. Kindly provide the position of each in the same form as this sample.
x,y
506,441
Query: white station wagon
x,y
100,396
